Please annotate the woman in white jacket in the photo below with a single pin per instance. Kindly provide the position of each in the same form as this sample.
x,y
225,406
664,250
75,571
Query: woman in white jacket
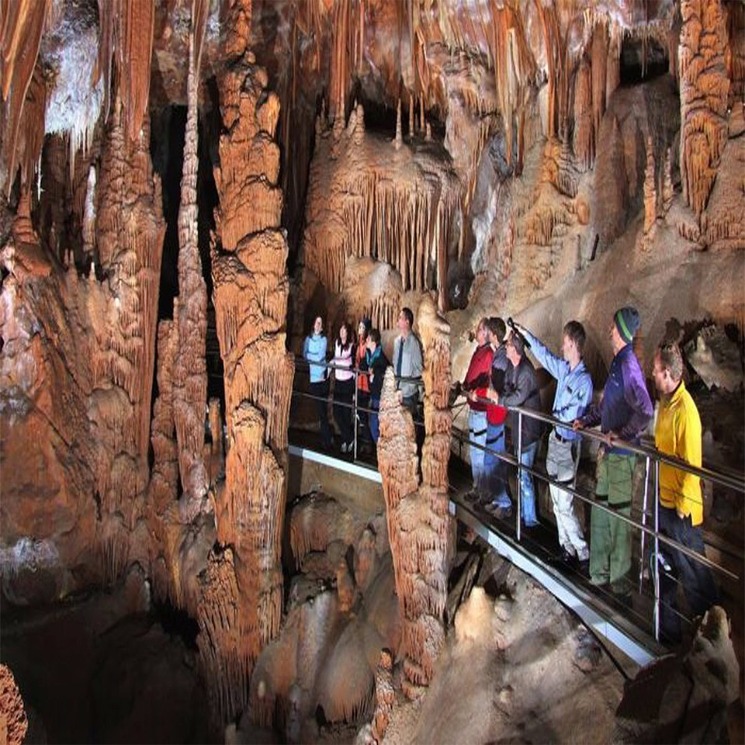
x,y
344,385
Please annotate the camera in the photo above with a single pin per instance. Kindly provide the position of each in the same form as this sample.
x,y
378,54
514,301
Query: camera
x,y
513,327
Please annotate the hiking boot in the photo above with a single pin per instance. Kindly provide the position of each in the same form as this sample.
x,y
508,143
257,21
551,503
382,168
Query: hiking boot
x,y
563,558
583,566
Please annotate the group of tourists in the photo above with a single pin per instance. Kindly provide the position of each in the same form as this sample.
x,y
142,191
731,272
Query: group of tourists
x,y
501,376
358,368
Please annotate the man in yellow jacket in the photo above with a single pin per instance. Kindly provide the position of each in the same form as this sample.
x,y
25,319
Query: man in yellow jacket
x,y
681,513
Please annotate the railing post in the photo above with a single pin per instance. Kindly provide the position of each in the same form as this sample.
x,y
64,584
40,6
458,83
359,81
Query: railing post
x,y
354,410
519,471
644,523
656,550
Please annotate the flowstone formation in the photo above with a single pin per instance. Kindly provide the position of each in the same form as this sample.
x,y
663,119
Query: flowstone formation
x,y
342,612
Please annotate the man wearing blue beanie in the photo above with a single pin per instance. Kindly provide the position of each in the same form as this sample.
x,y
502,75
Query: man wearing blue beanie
x,y
623,413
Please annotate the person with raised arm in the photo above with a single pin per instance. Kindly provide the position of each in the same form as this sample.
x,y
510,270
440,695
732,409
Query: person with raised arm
x,y
573,397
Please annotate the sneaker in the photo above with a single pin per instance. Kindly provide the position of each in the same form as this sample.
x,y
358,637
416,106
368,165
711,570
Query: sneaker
x,y
583,565
499,511
471,495
344,447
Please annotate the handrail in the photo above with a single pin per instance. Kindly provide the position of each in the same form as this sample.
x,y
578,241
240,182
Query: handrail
x,y
650,454
723,478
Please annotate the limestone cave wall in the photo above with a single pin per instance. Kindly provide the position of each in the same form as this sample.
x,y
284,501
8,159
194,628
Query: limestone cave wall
x,y
545,160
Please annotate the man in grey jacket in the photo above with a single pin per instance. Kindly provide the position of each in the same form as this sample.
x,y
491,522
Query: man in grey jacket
x,y
521,389
407,361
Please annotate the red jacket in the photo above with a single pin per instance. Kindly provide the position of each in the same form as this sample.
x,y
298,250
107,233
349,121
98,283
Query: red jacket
x,y
494,414
363,381
479,374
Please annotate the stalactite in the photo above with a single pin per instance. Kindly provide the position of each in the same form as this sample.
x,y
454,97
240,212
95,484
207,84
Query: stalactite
x,y
89,213
136,28
736,57
584,111
613,69
356,209
513,68
399,136
22,29
650,190
599,72
190,317
704,91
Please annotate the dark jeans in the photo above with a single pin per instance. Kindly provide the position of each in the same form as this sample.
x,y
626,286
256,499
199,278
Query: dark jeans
x,y
494,467
373,419
321,390
696,578
412,404
363,402
343,396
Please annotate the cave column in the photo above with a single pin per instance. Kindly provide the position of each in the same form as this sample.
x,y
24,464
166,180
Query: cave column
x,y
190,314
241,604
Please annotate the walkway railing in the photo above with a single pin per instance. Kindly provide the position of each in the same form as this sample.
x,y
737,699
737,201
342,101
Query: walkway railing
x,y
648,522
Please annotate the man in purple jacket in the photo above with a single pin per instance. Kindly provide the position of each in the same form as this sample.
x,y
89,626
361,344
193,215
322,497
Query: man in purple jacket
x,y
623,413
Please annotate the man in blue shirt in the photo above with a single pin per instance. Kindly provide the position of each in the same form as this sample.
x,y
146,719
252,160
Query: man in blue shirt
x,y
573,397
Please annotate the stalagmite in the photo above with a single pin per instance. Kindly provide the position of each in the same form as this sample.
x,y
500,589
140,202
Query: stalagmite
x,y
417,513
13,719
704,91
162,490
384,695
668,192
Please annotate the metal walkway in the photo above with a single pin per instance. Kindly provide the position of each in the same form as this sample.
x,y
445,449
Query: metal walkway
x,y
603,618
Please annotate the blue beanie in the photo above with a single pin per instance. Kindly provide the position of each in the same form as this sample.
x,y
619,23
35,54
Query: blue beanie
x,y
627,322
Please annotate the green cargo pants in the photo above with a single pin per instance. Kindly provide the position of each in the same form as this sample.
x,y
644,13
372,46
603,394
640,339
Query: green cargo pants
x,y
610,538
